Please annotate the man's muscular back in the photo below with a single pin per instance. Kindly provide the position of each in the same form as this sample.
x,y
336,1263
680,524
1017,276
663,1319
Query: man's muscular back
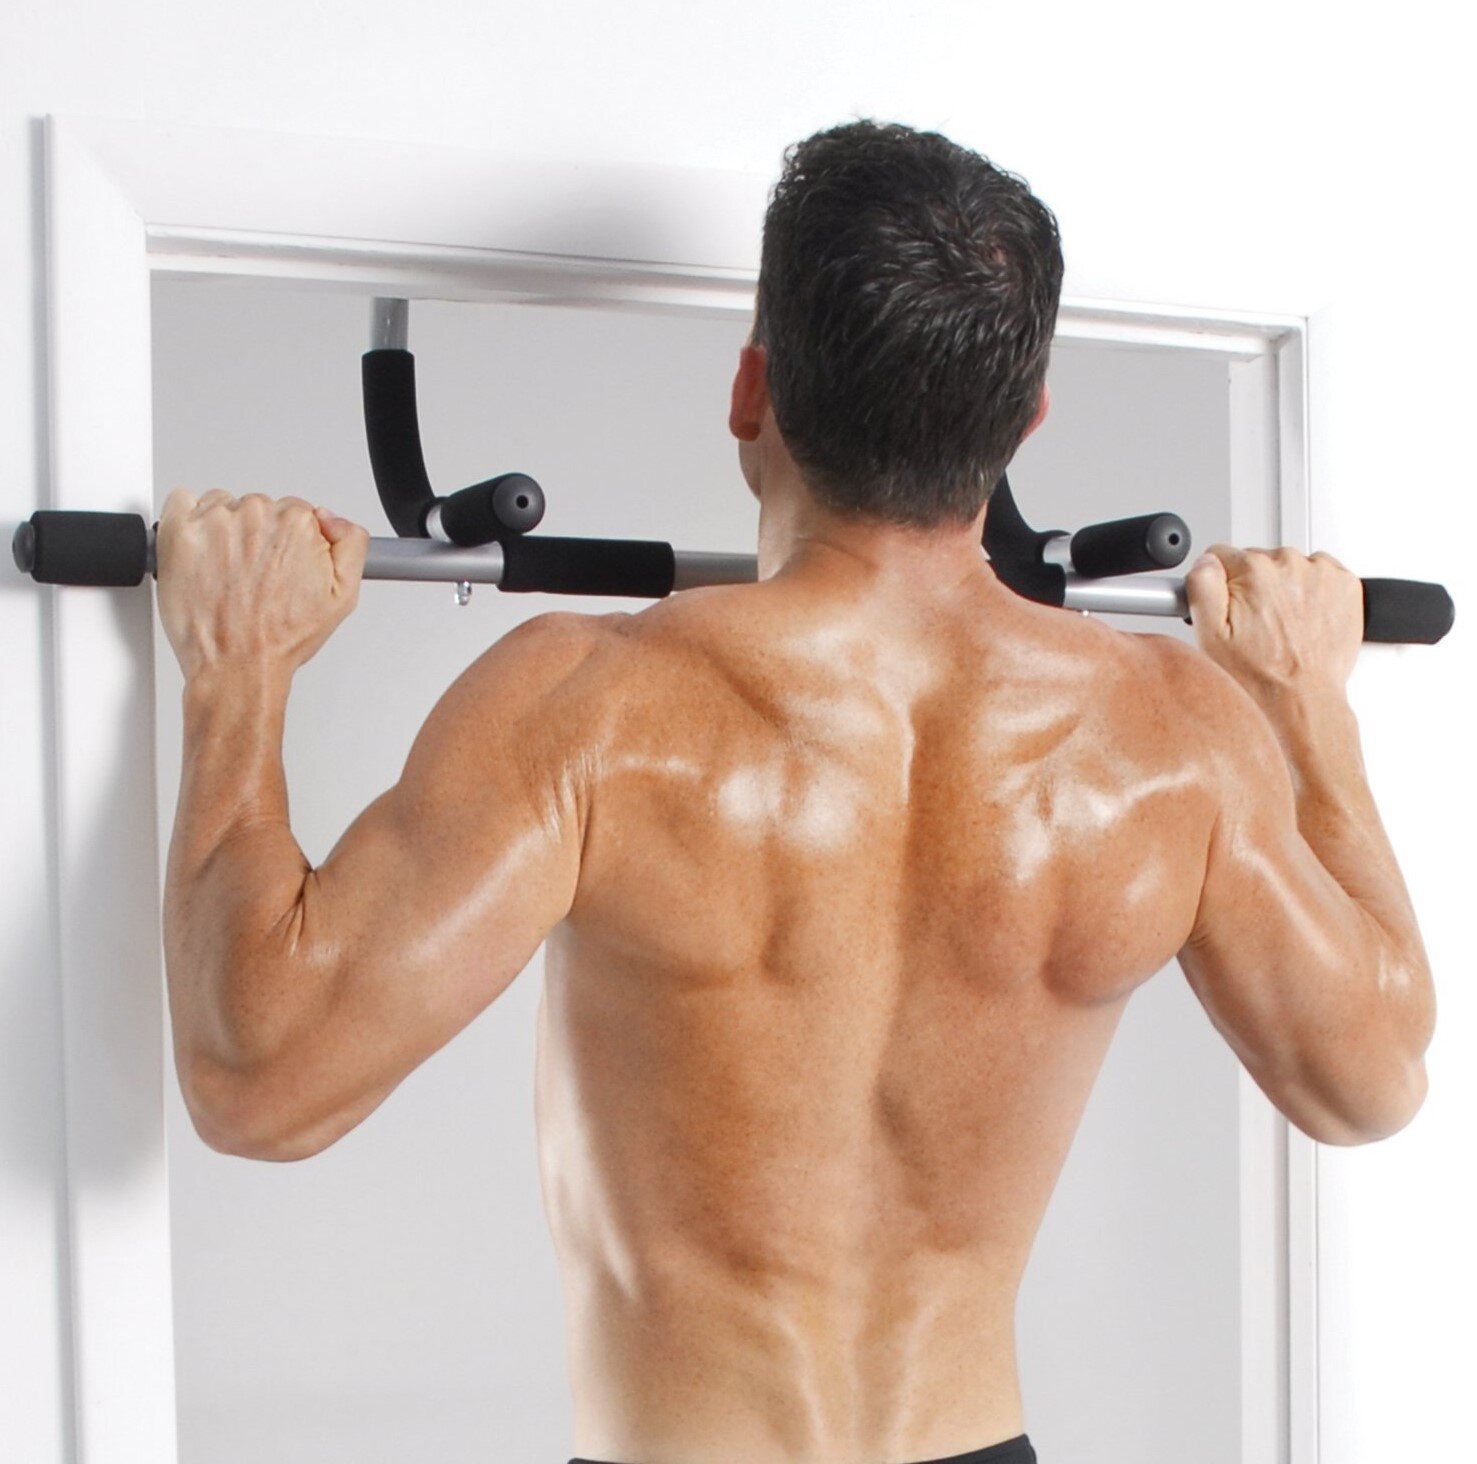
x,y
846,877
865,885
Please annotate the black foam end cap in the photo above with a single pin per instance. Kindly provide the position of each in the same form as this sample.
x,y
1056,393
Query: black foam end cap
x,y
23,547
1129,546
511,503
76,548
1406,611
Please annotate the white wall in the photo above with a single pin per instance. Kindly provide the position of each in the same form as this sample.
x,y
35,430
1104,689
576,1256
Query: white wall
x,y
1285,154
396,1298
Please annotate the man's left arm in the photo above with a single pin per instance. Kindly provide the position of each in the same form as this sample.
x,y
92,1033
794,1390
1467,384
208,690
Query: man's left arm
x,y
301,997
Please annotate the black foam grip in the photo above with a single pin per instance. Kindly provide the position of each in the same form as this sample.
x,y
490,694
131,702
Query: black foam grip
x,y
640,568
1128,546
1044,583
392,433
509,503
71,547
1407,611
1015,550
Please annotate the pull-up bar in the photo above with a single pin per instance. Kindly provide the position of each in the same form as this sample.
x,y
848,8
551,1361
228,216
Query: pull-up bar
x,y
482,535
499,513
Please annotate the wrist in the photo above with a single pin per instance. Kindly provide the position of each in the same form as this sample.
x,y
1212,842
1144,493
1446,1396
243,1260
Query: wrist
x,y
1303,708
252,681
1319,736
235,714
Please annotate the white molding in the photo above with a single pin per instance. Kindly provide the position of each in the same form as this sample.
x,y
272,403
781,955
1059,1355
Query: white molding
x,y
1265,1340
461,272
106,822
489,225
1305,1393
129,199
1294,527
1279,1239
450,272
1240,336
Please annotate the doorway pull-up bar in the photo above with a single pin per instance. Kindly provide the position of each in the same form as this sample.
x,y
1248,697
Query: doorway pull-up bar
x,y
482,535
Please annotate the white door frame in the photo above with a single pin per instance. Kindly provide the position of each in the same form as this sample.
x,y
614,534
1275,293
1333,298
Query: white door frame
x,y
126,200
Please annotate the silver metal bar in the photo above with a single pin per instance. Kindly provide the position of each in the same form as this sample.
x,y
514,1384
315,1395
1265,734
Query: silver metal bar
x,y
389,325
437,563
425,559
433,525
1058,551
695,568
1130,595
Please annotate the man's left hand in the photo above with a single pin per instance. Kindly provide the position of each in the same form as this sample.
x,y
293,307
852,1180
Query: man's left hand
x,y
254,580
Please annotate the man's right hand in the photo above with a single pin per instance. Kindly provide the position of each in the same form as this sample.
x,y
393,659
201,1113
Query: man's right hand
x,y
1277,619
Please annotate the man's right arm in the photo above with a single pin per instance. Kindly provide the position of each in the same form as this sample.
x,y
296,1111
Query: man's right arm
x,y
1305,950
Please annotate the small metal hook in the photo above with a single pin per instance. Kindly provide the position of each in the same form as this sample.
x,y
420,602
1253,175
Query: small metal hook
x,y
463,591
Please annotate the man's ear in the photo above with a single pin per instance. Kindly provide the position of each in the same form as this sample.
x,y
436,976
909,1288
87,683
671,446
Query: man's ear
x,y
1041,411
750,394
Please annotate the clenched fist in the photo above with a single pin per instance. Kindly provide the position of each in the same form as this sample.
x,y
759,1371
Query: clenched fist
x,y
1277,618
253,580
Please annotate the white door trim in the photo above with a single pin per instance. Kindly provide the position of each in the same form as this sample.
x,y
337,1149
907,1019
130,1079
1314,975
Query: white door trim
x,y
128,199
106,822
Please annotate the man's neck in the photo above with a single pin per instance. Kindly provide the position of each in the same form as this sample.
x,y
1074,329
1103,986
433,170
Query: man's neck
x,y
800,537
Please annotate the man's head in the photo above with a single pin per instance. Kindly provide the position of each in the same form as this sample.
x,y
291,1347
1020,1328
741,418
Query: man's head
x,y
907,299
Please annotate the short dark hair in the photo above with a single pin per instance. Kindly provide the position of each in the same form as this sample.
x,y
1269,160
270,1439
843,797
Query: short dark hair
x,y
907,298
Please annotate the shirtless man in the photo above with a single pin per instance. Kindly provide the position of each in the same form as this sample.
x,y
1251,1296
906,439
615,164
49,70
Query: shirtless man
x,y
845,876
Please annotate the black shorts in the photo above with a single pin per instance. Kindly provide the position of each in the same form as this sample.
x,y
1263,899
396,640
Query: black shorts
x,y
1013,1451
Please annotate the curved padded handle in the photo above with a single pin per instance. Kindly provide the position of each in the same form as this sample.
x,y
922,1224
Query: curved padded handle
x,y
393,436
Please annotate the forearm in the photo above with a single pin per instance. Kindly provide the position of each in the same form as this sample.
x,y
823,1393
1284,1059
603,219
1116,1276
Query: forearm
x,y
1336,815
240,975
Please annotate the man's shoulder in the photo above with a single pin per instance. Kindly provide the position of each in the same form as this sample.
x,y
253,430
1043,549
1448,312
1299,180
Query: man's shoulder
x,y
555,658
1223,729
1201,691
587,664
